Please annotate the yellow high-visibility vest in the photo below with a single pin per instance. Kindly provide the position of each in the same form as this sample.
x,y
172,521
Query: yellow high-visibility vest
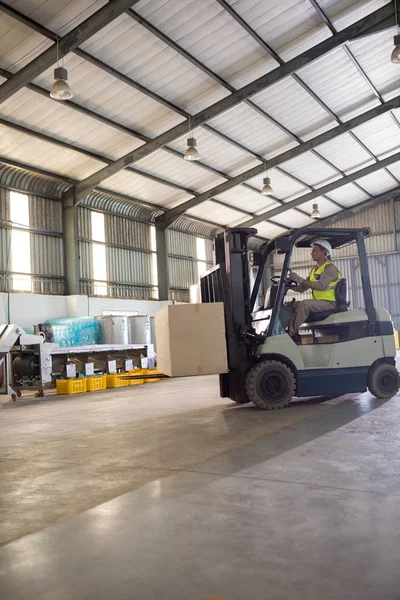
x,y
328,294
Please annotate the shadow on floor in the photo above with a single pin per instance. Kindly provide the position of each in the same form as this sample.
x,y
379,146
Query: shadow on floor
x,y
288,437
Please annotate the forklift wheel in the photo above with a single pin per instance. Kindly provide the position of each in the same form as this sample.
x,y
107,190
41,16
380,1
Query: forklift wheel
x,y
383,380
270,384
240,401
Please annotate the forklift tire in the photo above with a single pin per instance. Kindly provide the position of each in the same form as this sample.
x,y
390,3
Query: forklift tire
x,y
244,400
383,380
270,384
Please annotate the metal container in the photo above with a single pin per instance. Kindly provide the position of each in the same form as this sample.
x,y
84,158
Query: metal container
x,y
153,333
113,330
139,329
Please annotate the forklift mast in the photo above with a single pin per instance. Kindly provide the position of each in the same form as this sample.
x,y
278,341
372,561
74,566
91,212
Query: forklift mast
x,y
229,282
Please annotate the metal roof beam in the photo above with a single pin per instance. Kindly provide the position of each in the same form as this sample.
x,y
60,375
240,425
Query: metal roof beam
x,y
43,92
117,195
361,71
330,187
76,36
128,81
296,78
235,98
228,8
98,117
307,185
184,53
117,74
82,109
387,23
174,213
197,63
9,10
354,210
139,19
41,29
44,31
95,156
147,92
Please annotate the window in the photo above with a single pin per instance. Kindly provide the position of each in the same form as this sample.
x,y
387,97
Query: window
x,y
154,269
201,255
20,243
98,229
99,254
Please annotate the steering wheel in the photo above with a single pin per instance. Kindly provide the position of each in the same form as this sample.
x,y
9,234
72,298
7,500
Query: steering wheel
x,y
275,279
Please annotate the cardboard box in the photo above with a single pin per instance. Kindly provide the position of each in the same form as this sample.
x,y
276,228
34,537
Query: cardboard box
x,y
191,340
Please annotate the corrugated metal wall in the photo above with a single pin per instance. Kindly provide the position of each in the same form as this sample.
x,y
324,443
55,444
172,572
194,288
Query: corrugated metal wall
x,y
4,205
5,238
127,232
129,274
84,224
85,268
183,263
383,260
129,256
47,264
46,241
45,214
47,249
128,240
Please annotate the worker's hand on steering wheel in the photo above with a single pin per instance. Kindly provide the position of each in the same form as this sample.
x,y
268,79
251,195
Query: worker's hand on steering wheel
x,y
295,278
289,281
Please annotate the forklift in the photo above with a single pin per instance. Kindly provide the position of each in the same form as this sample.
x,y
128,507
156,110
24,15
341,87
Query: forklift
x,y
348,349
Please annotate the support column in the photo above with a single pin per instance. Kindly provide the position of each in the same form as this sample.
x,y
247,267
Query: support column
x,y
71,253
396,244
162,261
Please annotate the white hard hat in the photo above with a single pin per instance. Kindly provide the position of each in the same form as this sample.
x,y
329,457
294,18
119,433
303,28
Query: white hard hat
x,y
324,243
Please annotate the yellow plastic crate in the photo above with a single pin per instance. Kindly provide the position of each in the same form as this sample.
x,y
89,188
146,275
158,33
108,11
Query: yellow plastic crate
x,y
135,372
96,382
151,372
71,386
116,381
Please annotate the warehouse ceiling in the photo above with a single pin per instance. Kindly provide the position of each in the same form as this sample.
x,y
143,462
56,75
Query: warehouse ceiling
x,y
301,91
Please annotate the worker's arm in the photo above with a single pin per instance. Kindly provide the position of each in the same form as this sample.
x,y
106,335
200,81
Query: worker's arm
x,y
303,285
330,274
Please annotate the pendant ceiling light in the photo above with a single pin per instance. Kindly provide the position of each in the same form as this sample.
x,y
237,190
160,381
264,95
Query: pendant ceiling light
x,y
191,152
267,187
315,212
395,58
60,89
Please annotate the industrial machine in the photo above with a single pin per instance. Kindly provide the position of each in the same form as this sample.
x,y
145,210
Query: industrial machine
x,y
348,350
13,338
29,361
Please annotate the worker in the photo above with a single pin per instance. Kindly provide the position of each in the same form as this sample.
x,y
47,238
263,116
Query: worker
x,y
322,280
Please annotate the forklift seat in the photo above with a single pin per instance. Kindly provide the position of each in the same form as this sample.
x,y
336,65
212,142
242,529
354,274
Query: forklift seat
x,y
270,297
341,304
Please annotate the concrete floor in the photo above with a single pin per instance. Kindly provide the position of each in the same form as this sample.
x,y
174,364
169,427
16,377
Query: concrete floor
x,y
168,491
